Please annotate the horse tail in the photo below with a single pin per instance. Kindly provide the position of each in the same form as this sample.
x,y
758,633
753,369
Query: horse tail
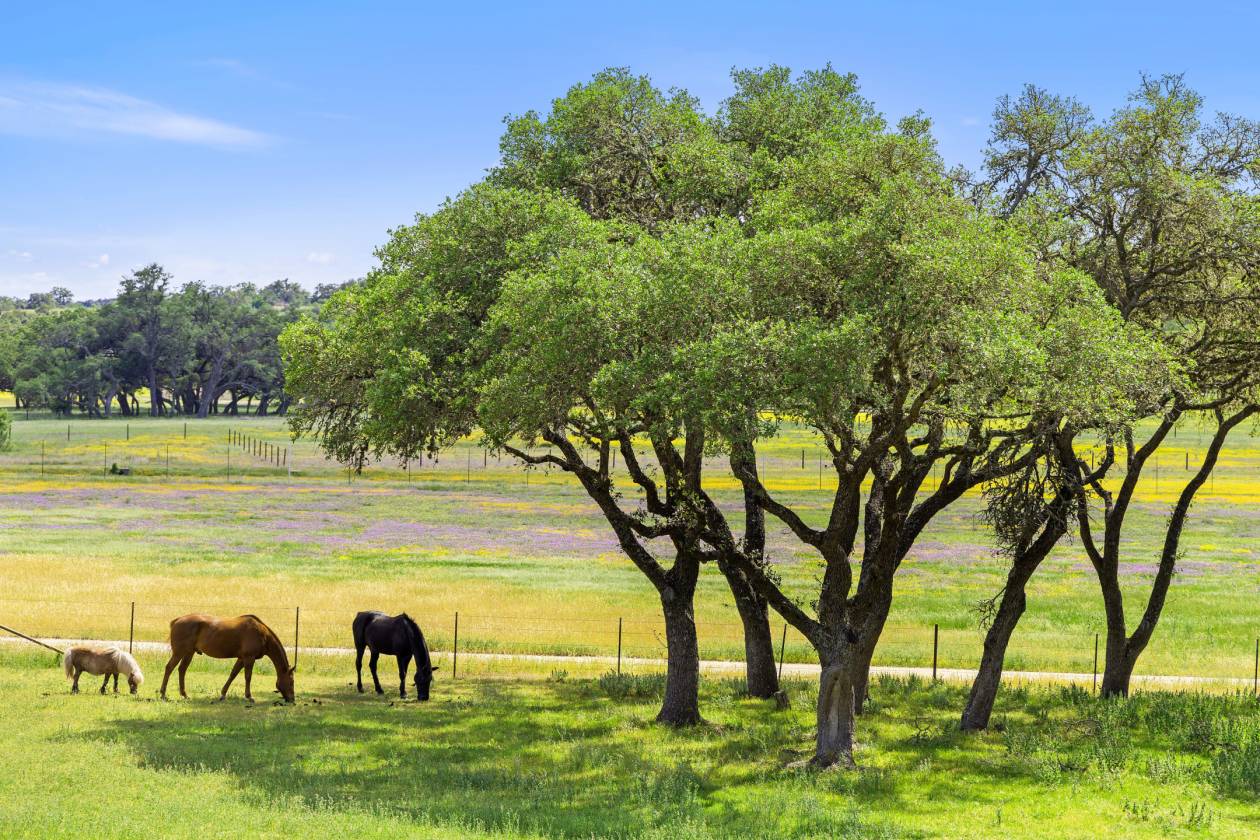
x,y
359,629
67,663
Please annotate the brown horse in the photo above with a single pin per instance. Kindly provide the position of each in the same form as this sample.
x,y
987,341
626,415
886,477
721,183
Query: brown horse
x,y
244,638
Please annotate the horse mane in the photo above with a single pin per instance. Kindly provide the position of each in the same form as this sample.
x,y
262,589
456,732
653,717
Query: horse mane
x,y
128,665
277,650
419,647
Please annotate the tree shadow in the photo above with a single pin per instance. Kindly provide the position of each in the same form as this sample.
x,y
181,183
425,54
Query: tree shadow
x,y
559,761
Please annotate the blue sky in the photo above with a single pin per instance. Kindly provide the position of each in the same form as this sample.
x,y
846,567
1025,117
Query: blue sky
x,y
253,141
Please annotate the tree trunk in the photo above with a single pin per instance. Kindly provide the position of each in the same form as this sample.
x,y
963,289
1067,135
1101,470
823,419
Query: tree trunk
x,y
834,739
210,391
761,676
155,399
1118,667
984,688
681,706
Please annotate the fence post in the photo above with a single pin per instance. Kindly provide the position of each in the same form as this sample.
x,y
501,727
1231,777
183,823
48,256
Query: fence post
x,y
105,463
1255,680
619,646
936,641
1095,689
128,431
168,460
41,457
297,625
782,647
186,430
455,649
131,633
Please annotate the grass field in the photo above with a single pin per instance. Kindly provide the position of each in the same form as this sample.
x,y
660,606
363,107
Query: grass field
x,y
530,754
515,749
524,557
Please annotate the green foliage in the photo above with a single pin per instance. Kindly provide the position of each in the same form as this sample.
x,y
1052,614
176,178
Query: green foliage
x,y
6,430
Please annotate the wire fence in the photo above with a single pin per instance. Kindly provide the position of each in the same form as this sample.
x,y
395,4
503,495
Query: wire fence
x,y
616,642
230,446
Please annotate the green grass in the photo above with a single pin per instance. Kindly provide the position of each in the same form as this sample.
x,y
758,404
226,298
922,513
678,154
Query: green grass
x,y
564,756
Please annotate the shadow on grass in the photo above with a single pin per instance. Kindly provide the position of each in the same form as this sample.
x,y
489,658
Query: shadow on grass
x,y
563,759
556,760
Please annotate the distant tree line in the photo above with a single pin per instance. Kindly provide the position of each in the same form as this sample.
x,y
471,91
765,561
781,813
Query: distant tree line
x,y
190,348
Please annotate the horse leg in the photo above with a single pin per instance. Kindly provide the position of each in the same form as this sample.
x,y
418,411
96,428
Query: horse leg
x,y
236,669
170,666
249,675
115,683
358,666
372,668
403,661
105,684
74,689
183,669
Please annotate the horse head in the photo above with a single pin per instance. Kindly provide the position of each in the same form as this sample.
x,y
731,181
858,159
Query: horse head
x,y
284,683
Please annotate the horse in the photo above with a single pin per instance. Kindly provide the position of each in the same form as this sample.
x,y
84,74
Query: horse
x,y
244,638
393,636
109,661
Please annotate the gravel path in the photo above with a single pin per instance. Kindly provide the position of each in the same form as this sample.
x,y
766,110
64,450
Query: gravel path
x,y
719,666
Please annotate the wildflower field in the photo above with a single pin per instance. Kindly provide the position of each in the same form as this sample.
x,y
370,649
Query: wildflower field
x,y
524,558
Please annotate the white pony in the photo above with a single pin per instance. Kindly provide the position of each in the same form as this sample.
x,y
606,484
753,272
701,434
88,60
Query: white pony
x,y
109,661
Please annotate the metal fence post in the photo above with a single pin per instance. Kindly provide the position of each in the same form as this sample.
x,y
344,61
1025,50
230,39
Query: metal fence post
x,y
455,649
131,633
936,641
782,647
1255,680
1095,689
297,625
619,646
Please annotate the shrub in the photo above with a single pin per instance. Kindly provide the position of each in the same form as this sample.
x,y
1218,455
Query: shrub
x,y
6,430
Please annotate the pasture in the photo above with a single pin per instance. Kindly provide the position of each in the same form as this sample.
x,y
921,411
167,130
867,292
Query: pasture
x,y
519,749
526,559
527,754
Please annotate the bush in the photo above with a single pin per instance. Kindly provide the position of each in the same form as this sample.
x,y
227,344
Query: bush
x,y
6,430
1237,770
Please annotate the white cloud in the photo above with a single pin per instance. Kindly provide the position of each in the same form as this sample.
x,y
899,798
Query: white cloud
x,y
24,256
99,262
48,109
319,257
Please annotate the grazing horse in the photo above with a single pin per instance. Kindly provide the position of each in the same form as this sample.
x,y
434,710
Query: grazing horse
x,y
393,636
244,638
109,661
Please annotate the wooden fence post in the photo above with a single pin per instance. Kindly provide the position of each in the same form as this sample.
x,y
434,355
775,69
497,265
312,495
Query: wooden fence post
x,y
297,625
455,649
131,633
618,647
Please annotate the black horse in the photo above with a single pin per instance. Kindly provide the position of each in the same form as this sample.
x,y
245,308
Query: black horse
x,y
394,636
